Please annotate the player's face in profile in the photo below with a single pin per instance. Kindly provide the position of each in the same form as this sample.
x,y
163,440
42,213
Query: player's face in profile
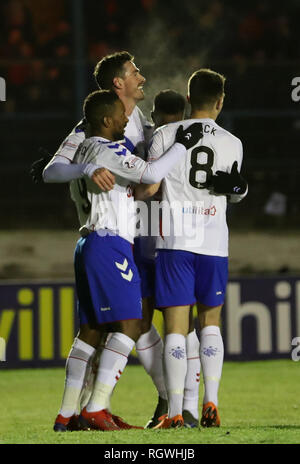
x,y
133,81
119,120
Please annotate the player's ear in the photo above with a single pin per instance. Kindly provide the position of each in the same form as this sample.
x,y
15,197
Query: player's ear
x,y
107,121
117,82
156,118
219,103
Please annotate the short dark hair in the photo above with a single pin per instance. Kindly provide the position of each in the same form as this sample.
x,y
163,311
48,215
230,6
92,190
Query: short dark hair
x,y
98,105
205,87
109,67
169,102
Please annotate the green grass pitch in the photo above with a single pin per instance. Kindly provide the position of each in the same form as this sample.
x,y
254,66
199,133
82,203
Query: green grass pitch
x,y
259,404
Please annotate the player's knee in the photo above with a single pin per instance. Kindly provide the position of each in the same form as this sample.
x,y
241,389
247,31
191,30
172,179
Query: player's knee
x,y
132,328
176,320
91,336
136,329
176,330
209,316
191,322
148,309
174,326
146,325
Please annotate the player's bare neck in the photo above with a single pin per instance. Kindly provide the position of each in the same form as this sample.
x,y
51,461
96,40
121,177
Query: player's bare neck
x,y
203,114
101,133
129,104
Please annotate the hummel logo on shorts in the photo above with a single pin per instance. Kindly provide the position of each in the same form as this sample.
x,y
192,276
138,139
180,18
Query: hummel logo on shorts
x,y
123,267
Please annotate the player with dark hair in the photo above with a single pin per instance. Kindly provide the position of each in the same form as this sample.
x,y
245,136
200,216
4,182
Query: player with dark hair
x,y
103,257
128,85
193,266
169,107
110,67
125,79
122,76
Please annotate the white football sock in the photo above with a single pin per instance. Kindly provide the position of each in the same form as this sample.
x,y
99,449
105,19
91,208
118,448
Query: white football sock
x,y
90,377
76,366
149,349
211,358
192,379
113,361
175,366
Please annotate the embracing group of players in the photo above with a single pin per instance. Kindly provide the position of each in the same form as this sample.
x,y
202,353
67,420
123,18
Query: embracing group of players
x,y
113,159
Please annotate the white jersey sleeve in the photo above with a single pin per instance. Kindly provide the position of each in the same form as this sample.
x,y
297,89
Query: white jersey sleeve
x,y
61,167
97,209
121,162
70,144
62,170
157,144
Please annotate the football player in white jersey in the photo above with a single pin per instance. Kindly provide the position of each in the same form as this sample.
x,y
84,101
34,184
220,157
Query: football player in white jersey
x,y
169,107
119,73
107,280
192,256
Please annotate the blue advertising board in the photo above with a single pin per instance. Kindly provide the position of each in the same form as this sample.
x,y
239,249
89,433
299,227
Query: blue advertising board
x,y
38,323
38,320
261,317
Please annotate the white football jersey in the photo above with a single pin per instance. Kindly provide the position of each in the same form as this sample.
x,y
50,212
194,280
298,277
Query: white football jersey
x,y
193,219
134,141
113,210
70,144
136,133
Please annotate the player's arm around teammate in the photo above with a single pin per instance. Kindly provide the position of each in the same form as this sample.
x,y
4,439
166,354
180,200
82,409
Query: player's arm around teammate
x,y
107,260
119,73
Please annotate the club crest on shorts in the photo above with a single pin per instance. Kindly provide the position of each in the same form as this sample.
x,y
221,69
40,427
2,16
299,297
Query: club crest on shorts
x,y
123,267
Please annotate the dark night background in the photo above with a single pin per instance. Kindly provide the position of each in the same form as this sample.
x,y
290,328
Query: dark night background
x,y
48,50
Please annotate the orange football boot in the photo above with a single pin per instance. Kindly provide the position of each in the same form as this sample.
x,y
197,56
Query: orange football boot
x,y
169,422
210,415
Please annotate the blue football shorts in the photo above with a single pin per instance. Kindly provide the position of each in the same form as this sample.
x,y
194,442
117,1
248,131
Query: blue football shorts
x,y
146,267
184,278
107,280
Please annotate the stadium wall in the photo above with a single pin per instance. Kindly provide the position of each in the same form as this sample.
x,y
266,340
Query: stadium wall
x,y
261,317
